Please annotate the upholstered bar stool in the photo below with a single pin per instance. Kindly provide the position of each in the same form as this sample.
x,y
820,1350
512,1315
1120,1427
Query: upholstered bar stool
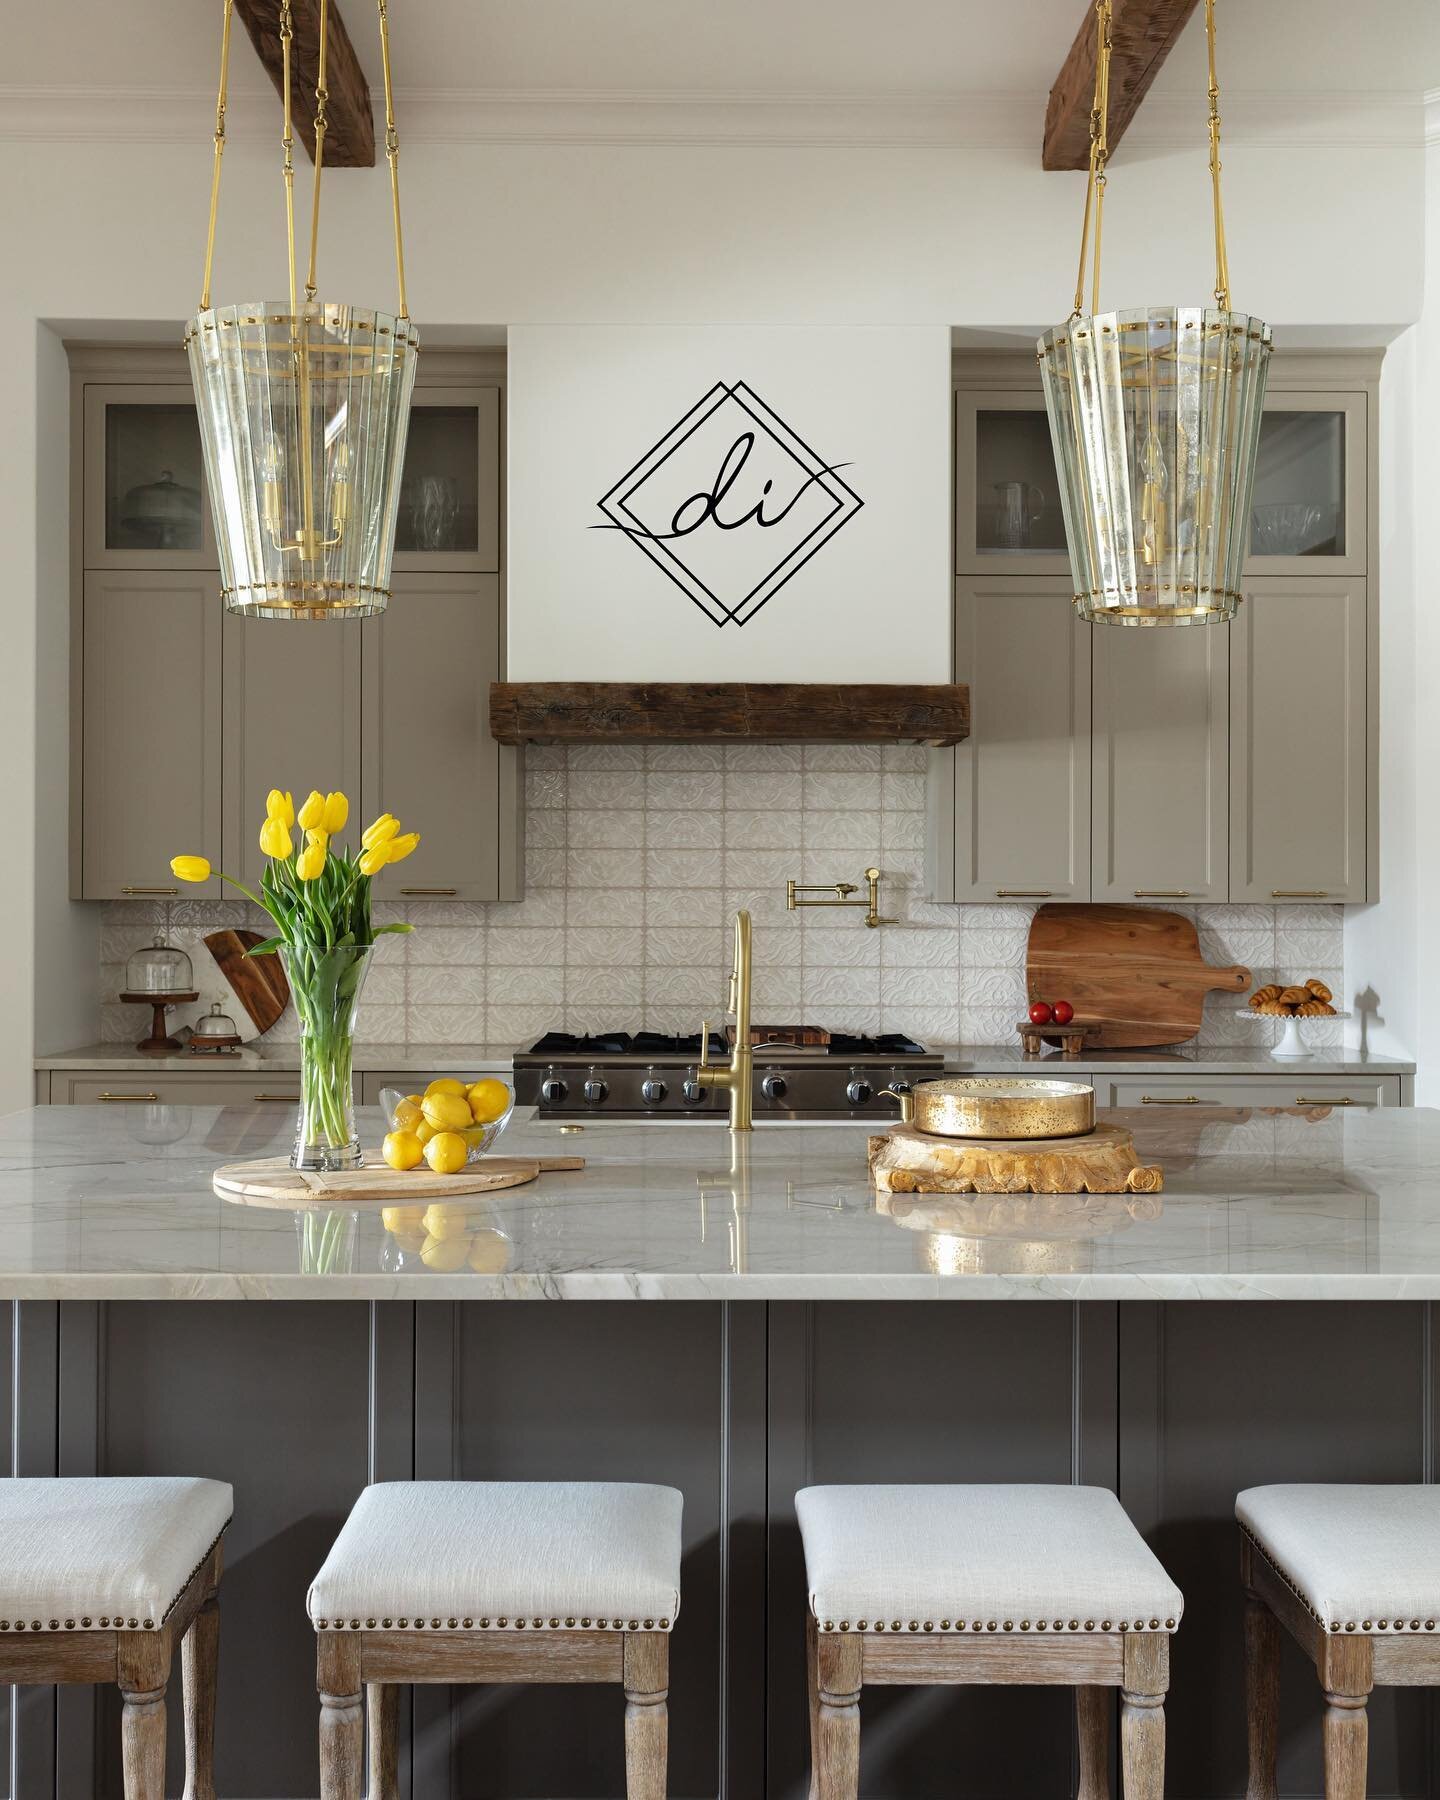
x,y
1353,1574
997,1585
99,1580
495,1581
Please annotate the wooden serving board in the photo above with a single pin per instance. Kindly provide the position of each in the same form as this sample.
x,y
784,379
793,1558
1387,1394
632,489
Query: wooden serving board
x,y
1134,974
270,1181
257,982
907,1161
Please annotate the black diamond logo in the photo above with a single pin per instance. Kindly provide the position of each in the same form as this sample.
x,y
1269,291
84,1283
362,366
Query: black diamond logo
x,y
730,504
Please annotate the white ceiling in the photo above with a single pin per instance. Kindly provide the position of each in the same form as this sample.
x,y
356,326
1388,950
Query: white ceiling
x,y
820,49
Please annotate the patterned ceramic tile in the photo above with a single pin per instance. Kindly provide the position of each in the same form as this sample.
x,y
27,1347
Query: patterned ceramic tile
x,y
835,947
449,985
853,791
852,831
767,758
919,947
512,985
673,907
686,948
623,989
604,946
829,987
747,830
685,756
546,829
446,1025
683,868
529,949
615,829
607,906
667,790
756,793
604,869
861,758
684,828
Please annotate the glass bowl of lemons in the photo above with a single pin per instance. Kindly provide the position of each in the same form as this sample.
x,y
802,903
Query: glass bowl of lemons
x,y
451,1124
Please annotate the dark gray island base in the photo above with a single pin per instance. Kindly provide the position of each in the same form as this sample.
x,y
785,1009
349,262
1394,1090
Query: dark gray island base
x,y
1174,1403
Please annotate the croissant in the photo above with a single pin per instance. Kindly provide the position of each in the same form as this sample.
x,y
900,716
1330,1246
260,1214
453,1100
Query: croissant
x,y
1275,1009
1312,1009
1319,989
1269,992
1295,996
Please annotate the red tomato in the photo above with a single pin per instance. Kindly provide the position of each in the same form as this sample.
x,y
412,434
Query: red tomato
x,y
1064,1012
1040,1013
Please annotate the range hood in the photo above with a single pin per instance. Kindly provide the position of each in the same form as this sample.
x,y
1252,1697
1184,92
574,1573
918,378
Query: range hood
x,y
727,712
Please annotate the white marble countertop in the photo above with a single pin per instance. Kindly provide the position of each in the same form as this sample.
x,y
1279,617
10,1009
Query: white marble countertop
x,y
262,1056
1258,1205
1208,1059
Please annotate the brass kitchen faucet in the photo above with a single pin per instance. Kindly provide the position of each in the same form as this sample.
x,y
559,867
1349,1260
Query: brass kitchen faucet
x,y
736,1079
842,890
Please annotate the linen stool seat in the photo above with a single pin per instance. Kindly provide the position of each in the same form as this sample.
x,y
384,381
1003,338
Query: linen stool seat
x,y
494,1581
100,1579
1352,1572
999,1584
504,1555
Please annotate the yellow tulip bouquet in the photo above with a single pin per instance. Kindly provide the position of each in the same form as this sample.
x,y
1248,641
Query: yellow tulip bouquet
x,y
319,897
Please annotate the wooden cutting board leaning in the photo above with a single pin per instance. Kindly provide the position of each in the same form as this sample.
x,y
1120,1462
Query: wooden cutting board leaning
x,y
1134,974
257,982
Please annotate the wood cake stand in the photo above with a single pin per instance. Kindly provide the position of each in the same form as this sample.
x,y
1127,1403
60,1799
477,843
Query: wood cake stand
x,y
271,1181
907,1161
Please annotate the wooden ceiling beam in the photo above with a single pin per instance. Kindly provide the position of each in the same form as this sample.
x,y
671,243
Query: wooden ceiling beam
x,y
1141,35
349,118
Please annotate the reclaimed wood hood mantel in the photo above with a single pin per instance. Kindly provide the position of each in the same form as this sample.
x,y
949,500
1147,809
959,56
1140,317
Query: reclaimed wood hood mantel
x,y
774,712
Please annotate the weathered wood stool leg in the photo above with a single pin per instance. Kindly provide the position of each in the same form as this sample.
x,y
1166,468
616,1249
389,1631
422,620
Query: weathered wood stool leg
x,y
1142,1715
199,1666
1092,1730
647,1719
812,1696
143,1674
1262,1696
382,1711
1346,1669
837,1731
342,1717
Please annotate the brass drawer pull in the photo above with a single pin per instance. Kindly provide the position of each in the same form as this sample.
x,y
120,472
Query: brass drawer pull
x,y
128,1097
1299,893
294,1099
1340,1100
148,890
1162,893
440,891
1169,1100
1023,893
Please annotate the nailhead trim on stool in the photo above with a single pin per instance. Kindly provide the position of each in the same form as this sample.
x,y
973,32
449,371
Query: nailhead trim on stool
x,y
1329,1626
998,1625
486,1625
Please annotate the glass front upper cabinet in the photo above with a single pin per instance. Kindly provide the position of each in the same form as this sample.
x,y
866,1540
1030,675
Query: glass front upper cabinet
x,y
145,502
448,518
1007,507
1307,515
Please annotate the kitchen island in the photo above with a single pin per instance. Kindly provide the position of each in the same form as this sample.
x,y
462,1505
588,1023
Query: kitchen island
x,y
1269,1316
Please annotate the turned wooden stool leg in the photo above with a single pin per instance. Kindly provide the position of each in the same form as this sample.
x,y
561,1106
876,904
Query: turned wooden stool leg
x,y
812,1696
837,1732
382,1712
1142,1715
647,1719
199,1663
1262,1696
1092,1730
143,1675
342,1717
1346,1667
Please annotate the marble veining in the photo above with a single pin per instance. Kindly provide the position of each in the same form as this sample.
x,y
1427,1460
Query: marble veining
x,y
97,1203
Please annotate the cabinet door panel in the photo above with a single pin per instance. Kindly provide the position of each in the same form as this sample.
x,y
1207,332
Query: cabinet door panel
x,y
1160,811
1007,494
1022,778
1309,508
449,516
292,720
1292,1089
429,755
150,760
1298,742
145,505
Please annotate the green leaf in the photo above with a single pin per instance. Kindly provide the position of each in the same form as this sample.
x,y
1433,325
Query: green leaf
x,y
380,930
268,948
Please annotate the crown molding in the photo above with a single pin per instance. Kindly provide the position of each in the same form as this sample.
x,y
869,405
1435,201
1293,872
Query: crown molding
x,y
1005,120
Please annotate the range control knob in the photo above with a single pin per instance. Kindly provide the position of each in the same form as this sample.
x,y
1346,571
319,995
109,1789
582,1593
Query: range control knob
x,y
858,1090
691,1091
773,1085
553,1090
899,1084
652,1089
594,1089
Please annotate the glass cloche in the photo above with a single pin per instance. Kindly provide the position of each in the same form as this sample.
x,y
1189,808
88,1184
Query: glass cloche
x,y
214,1033
159,969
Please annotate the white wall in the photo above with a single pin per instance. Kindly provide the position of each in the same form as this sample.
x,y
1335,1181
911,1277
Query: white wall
x,y
579,233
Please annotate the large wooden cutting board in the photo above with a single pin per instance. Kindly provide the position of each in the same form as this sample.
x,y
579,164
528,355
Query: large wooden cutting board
x,y
257,982
1134,974
271,1182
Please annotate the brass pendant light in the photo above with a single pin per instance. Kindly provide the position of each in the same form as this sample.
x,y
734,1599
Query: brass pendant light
x,y
1155,421
304,406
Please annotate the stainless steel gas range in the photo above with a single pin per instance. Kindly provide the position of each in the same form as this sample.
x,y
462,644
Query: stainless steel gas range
x,y
622,1075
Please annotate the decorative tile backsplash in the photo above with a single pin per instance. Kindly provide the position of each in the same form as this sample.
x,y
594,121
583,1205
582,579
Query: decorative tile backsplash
x,y
636,860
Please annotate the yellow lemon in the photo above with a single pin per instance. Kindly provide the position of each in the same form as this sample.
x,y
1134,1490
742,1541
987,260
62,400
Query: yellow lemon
x,y
442,1221
445,1255
490,1252
474,1135
444,1084
424,1131
408,1113
446,1153
411,1242
447,1112
402,1218
402,1149
489,1099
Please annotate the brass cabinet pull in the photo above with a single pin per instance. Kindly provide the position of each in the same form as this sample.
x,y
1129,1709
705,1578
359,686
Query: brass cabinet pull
x,y
1162,893
128,1097
1299,893
1169,1100
1023,893
440,891
1341,1100
294,1099
149,890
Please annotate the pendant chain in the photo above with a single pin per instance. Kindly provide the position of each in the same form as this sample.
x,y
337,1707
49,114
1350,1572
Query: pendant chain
x,y
287,142
322,97
219,153
392,156
1222,260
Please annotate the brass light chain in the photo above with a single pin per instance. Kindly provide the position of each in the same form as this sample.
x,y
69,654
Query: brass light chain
x,y
322,122
219,152
1222,260
392,155
287,141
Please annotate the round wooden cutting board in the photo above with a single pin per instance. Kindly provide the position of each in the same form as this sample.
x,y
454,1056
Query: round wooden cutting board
x,y
271,1181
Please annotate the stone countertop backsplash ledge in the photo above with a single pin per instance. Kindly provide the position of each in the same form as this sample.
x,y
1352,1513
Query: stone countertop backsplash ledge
x,y
636,858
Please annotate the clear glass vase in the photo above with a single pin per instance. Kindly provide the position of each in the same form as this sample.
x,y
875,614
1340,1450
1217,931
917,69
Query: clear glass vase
x,y
325,986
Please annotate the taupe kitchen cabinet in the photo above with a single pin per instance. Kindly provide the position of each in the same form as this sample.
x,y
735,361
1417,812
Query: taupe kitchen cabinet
x,y
428,754
173,1087
1300,768
144,504
1288,1087
1011,805
148,740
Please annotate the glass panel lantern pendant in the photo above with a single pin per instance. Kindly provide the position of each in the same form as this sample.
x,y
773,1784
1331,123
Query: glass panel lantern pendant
x,y
304,406
1155,419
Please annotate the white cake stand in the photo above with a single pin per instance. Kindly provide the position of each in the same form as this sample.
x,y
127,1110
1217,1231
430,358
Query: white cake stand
x,y
1292,1046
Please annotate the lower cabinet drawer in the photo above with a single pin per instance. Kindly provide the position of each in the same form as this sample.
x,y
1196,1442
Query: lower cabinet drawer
x,y
1290,1088
167,1088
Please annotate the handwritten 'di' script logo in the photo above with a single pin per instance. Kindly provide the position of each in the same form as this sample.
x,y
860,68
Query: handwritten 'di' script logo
x,y
730,503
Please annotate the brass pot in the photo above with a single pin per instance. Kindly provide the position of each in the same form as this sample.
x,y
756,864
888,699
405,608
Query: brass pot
x,y
998,1106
